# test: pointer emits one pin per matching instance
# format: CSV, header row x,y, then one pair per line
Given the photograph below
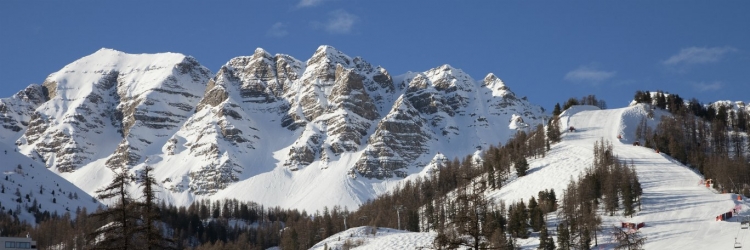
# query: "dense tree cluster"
x,y
586,100
608,183
670,102
451,201
710,138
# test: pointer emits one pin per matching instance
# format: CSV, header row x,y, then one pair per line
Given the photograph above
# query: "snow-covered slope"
x,y
332,130
376,239
22,177
679,212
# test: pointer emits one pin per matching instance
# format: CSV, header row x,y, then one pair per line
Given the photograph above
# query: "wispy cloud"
x,y
309,3
339,22
696,55
277,30
703,86
589,75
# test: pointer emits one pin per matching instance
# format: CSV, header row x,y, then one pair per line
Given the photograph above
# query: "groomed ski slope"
x,y
679,213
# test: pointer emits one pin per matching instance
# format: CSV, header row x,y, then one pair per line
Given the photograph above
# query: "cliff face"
x,y
261,121
114,106
17,111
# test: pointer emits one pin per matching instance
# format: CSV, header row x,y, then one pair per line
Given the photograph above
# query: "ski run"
x,y
678,210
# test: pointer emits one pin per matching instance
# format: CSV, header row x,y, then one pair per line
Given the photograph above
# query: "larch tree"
x,y
149,228
119,232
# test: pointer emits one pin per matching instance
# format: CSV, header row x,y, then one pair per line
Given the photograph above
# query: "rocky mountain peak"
x,y
16,112
110,94
263,120
322,65
497,86
261,53
329,54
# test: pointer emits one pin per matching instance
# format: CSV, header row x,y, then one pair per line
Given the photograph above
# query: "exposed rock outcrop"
x,y
257,115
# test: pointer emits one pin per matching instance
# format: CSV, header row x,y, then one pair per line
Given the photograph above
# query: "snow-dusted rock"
x,y
261,121
112,105
17,110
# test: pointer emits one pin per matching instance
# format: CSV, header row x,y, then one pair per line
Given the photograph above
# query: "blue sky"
x,y
548,51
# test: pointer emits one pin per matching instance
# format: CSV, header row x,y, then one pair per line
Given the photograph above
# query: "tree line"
x,y
712,139
451,202
135,222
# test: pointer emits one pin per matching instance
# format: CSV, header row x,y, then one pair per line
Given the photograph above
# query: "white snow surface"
x,y
29,179
679,212
383,238
324,183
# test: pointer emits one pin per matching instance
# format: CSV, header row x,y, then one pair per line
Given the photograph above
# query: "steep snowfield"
x,y
28,177
678,212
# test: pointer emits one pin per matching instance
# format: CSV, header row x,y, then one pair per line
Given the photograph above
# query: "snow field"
x,y
678,212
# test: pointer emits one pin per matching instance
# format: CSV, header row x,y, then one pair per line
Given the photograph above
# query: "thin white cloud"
x,y
339,22
309,3
696,55
277,30
588,74
702,86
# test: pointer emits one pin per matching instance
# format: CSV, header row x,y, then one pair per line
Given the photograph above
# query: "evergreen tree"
x,y
521,166
545,240
500,241
553,130
570,103
742,121
517,220
556,111
661,101
647,98
638,98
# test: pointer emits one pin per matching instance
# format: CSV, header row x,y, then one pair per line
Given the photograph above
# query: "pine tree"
x,y
553,130
661,101
556,111
545,240
517,220
521,166
500,241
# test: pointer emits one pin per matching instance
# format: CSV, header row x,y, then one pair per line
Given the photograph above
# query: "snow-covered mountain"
x,y
332,130
27,186
678,210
